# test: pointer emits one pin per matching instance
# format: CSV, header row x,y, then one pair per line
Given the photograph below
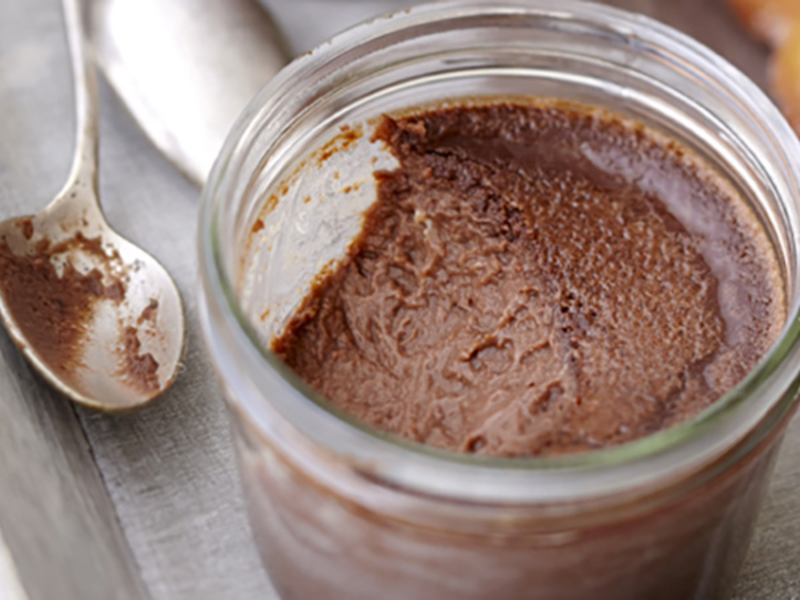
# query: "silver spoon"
x,y
185,69
97,316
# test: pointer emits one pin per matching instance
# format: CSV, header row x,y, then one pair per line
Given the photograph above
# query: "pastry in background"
x,y
785,75
768,20
777,23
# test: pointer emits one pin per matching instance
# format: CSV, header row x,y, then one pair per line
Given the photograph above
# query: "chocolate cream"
x,y
538,279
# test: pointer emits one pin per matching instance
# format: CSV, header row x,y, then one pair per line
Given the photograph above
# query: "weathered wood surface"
x,y
148,504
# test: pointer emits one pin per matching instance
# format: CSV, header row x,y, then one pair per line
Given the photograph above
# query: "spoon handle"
x,y
83,173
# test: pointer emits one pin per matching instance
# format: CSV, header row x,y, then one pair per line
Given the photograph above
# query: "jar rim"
x,y
750,411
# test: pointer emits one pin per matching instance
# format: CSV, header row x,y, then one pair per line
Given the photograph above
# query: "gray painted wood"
x,y
168,470
55,513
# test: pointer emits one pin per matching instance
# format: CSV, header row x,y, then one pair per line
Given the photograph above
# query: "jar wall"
x,y
317,543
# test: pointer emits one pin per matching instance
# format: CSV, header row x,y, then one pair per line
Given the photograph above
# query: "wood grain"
x,y
58,521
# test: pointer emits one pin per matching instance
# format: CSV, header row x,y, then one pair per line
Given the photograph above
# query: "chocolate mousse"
x,y
537,279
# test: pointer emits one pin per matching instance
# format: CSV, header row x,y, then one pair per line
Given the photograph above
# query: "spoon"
x,y
185,69
98,317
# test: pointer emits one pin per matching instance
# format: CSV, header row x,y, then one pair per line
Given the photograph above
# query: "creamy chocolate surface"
x,y
538,279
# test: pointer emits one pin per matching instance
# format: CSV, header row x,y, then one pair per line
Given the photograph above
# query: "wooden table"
x,y
148,504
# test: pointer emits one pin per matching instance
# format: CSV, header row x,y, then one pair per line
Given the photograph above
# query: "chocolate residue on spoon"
x,y
149,313
53,311
139,370
26,225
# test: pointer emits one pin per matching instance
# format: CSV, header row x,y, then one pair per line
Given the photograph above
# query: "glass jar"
x,y
341,511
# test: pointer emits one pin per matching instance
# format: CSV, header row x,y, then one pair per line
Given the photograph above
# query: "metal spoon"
x,y
185,69
98,317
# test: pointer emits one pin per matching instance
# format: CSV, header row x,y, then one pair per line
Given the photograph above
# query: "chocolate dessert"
x,y
538,279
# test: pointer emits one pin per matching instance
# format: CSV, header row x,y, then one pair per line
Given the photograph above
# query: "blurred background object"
x,y
308,23
769,20
785,75
777,23
185,69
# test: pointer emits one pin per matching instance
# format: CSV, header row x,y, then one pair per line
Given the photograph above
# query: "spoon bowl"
x,y
125,349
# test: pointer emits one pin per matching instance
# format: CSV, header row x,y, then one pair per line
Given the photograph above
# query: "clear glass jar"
x,y
341,511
